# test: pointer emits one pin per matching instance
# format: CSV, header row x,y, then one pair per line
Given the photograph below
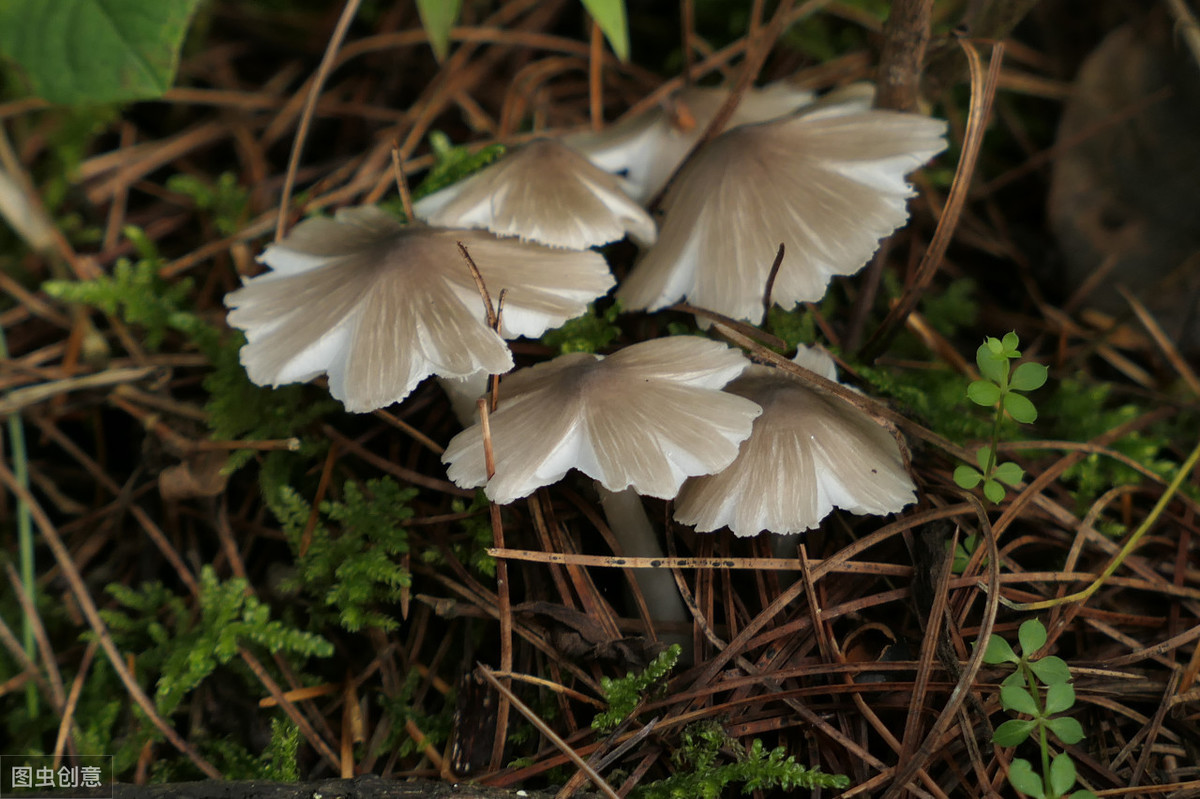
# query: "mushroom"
x,y
544,192
649,147
828,184
380,306
808,453
647,417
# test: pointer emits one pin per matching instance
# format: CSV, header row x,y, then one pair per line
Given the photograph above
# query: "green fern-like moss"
x,y
188,646
355,569
701,776
591,332
624,694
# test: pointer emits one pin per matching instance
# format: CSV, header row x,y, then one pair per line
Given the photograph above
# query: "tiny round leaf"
x,y
1059,697
1016,699
1029,376
1032,636
999,651
1066,729
1013,732
984,392
1021,775
1009,473
1020,408
966,477
1062,773
993,491
1051,670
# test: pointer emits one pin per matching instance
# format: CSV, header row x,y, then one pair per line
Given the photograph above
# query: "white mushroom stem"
x,y
627,519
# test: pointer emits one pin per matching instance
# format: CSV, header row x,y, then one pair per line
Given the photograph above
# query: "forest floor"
x,y
210,579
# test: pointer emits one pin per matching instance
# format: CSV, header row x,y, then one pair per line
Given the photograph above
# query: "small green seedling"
x,y
1000,388
1039,689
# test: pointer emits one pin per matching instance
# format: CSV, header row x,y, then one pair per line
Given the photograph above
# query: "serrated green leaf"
x,y
1066,729
437,18
1020,408
1021,775
966,477
993,491
1013,732
1032,635
984,392
1029,376
999,651
1009,473
610,16
95,51
1059,697
1051,670
1017,699
1062,773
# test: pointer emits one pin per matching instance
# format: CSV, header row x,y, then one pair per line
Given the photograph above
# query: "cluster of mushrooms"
x,y
379,306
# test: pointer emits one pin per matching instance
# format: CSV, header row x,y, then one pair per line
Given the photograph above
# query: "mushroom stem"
x,y
627,519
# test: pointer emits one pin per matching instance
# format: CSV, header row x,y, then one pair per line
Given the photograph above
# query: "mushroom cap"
x,y
649,147
808,453
380,306
544,192
646,417
828,184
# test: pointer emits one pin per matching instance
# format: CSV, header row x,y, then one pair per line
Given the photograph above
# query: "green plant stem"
x,y
1129,547
991,464
1035,692
20,461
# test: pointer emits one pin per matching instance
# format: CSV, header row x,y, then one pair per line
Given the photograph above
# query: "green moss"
x,y
591,332
702,775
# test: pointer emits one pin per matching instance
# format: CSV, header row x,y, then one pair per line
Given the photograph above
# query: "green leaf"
x,y
1013,732
1020,408
1059,697
1084,794
438,17
610,16
1011,342
1028,376
1051,670
1009,473
994,345
1062,773
993,491
992,364
95,51
1032,636
1017,699
984,392
1066,729
999,651
984,458
1021,775
966,477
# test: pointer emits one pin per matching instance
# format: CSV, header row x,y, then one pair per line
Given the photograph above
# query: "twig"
x,y
983,89
774,273
88,606
310,105
545,730
402,184
906,36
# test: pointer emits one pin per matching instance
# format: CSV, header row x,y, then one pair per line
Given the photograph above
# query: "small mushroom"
x,y
544,192
380,306
808,453
649,147
827,184
647,417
